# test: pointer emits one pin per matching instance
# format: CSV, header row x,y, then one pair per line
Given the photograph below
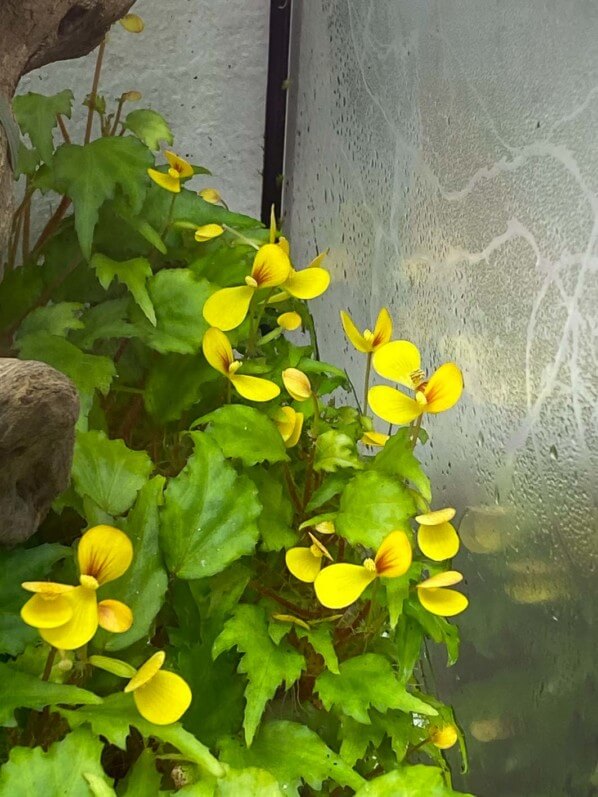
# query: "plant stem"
x,y
269,593
26,223
94,91
243,238
63,130
366,383
49,664
316,424
119,108
169,216
52,224
292,488
415,430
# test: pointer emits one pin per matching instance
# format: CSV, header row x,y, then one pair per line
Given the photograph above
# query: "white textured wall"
x,y
202,64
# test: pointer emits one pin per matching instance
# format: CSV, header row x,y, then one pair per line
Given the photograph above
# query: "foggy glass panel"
x,y
447,154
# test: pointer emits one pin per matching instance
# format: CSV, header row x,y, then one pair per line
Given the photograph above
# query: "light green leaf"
x,y
143,779
144,585
114,666
98,785
251,781
118,713
320,638
36,115
330,487
276,516
397,591
178,297
149,127
356,738
412,781
438,628
397,459
209,514
108,472
21,690
188,372
294,754
372,505
91,174
366,681
104,321
54,319
266,665
245,433
132,273
335,450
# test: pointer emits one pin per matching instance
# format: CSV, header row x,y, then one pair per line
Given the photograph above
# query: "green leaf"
x,y
245,433
397,591
438,628
397,459
91,174
132,273
114,666
140,225
149,127
265,664
118,713
21,690
293,753
105,321
143,779
54,319
372,505
188,372
335,450
178,298
250,781
109,472
320,638
32,564
144,585
412,781
409,637
36,115
276,516
330,487
27,162
209,514
366,681
356,738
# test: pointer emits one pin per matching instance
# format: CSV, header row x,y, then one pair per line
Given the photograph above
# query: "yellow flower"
x,y
178,170
67,617
132,23
368,341
305,563
340,585
297,384
211,195
377,439
228,307
308,283
290,424
161,697
218,352
434,596
289,321
436,536
401,362
325,527
445,737
208,231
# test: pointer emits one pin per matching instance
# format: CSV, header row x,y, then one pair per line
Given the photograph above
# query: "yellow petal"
x,y
273,225
446,579
217,350
81,626
394,555
47,611
340,585
436,517
254,388
132,23
289,321
303,564
393,406
182,166
104,553
325,527
163,699
444,737
227,308
48,588
211,195
443,602
318,549
172,184
318,259
114,616
444,388
146,671
308,283
271,266
382,329
284,245
398,361
284,418
354,335
208,231
438,542
297,384
293,438
378,439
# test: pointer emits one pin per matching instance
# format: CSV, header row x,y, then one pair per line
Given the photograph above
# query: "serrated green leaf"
x,y
266,665
209,514
98,785
132,273
140,225
293,753
245,433
21,690
397,459
108,472
364,682
143,779
332,485
91,174
320,638
36,115
250,781
412,781
27,162
276,516
335,450
54,319
178,298
118,713
356,738
19,290
104,321
438,628
372,505
149,126
188,372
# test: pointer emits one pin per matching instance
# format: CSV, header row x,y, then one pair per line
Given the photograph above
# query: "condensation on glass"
x,y
447,153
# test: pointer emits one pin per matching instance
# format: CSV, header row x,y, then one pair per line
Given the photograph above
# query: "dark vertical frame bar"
x,y
276,107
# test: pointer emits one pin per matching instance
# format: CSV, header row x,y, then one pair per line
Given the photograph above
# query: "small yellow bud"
x,y
207,232
211,195
131,96
132,23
